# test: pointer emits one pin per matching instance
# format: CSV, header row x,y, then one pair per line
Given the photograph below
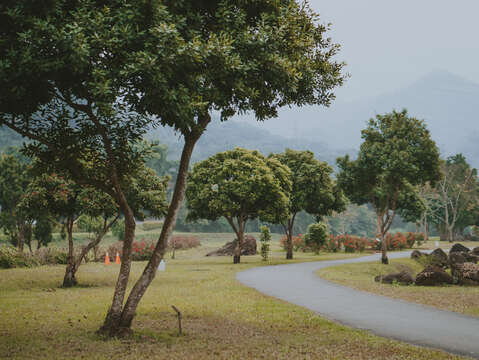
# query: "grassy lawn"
x,y
462,299
222,318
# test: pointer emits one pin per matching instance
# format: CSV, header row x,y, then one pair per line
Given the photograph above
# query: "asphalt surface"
x,y
413,323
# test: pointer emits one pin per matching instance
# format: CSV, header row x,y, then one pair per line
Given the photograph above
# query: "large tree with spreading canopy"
x,y
313,190
86,79
238,185
396,156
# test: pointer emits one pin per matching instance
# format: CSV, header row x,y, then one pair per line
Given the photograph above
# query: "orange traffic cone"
x,y
107,259
117,259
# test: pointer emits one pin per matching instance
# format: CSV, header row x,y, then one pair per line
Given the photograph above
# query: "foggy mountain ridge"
x,y
446,102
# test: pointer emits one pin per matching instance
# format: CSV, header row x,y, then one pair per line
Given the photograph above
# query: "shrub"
x,y
298,243
152,225
118,229
333,244
51,256
265,238
410,239
11,258
353,243
142,250
316,236
420,237
183,242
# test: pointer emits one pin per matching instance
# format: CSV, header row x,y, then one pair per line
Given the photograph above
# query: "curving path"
x,y
397,319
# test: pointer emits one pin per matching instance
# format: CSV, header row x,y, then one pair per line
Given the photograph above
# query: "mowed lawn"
x,y
222,318
462,299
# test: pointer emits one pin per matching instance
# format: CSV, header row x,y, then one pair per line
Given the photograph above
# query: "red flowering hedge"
x,y
399,241
298,243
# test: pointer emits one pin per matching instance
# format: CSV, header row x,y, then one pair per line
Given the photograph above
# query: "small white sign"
x,y
437,244
162,266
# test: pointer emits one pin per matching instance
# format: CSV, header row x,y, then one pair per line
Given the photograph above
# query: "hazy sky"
x,y
389,44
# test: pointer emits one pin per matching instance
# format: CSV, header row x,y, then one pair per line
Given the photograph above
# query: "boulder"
x,y
475,251
459,248
416,254
248,247
456,258
404,278
439,258
433,275
467,273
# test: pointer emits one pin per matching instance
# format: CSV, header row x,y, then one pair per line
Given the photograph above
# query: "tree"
x,y
457,195
316,236
396,155
265,239
313,190
62,197
14,180
88,79
238,185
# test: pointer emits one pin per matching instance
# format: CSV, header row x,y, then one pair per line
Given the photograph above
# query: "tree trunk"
x,y
113,326
239,243
118,320
289,238
69,278
384,248
289,246
21,238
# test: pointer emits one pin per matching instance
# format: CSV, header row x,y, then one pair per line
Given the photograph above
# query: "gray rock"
x,y
433,275
458,248
403,277
248,247
439,258
416,254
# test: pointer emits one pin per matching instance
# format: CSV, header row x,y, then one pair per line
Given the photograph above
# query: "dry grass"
x,y
222,318
462,299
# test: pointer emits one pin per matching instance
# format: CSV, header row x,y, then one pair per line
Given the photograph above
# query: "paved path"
x,y
397,319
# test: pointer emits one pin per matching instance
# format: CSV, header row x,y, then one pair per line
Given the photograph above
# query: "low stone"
x,y
475,251
433,275
403,278
461,258
248,247
467,273
458,248
416,254
439,258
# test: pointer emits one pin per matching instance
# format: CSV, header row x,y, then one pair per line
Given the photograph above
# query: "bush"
x,y
353,243
11,258
420,237
298,243
183,242
152,225
265,238
51,256
118,229
316,236
411,239
333,244
142,250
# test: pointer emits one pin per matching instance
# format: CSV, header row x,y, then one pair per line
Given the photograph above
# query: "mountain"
x,y
221,136
446,102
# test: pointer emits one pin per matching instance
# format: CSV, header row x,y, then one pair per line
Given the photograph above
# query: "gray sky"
x,y
390,44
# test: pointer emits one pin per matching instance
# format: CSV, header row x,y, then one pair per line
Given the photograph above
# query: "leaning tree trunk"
x,y
69,278
113,322
118,321
384,248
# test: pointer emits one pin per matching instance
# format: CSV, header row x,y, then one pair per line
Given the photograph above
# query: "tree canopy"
x,y
238,185
396,155
313,189
88,78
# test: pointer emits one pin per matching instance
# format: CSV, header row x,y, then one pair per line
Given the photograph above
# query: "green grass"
x,y
360,276
222,318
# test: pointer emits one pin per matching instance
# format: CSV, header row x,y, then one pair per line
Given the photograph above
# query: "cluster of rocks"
x,y
248,247
461,261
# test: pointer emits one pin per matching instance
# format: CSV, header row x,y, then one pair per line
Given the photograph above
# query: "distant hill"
x,y
447,103
221,136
